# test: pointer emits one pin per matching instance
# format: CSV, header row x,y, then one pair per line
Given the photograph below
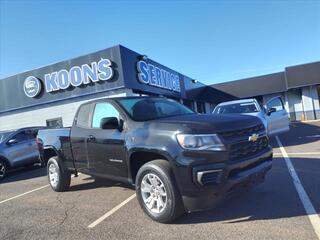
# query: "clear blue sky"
x,y
212,41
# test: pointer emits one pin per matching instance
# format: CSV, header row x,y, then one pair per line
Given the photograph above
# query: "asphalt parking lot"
x,y
29,209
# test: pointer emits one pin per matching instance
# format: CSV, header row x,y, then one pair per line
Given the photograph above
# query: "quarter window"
x,y
103,110
84,116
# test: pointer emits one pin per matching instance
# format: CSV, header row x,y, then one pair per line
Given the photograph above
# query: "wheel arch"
x,y
6,160
139,157
49,152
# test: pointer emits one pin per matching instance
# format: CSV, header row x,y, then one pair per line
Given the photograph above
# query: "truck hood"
x,y
211,123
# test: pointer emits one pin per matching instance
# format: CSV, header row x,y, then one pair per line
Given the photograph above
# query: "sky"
x,y
211,41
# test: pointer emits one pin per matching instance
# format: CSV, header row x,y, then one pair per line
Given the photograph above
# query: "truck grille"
x,y
239,145
248,149
233,135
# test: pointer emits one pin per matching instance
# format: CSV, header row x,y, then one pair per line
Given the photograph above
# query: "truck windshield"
x,y
237,108
3,136
143,109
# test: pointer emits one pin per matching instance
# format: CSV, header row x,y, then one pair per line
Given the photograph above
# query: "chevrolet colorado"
x,y
178,160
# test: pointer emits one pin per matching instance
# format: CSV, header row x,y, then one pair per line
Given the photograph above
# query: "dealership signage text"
x,y
76,76
158,77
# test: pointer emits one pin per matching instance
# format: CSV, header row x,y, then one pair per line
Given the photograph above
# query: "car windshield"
x,y
237,108
3,136
143,109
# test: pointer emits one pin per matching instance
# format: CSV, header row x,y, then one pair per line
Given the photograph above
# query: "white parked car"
x,y
272,114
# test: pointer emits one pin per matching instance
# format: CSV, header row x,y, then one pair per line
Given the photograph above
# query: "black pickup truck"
x,y
178,160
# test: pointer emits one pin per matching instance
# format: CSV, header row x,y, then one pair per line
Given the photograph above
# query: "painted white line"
x,y
309,208
298,153
23,194
112,211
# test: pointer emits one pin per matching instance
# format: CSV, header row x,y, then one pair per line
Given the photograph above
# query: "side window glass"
x,y
103,110
21,136
275,103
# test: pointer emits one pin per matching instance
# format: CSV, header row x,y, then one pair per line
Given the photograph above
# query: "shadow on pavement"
x,y
98,183
300,133
25,173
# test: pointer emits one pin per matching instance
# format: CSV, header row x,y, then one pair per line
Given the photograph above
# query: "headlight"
x,y
200,142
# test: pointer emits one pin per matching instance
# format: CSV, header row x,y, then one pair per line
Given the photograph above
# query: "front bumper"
x,y
234,176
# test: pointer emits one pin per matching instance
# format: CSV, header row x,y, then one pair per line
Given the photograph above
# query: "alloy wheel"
x,y
53,175
153,193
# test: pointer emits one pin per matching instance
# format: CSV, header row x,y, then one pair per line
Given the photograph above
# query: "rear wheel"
x,y
59,178
3,169
157,192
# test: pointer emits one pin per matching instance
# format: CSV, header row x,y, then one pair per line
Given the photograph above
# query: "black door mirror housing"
x,y
109,123
12,141
271,110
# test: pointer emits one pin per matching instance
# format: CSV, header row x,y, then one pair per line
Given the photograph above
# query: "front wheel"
x,y
157,192
59,178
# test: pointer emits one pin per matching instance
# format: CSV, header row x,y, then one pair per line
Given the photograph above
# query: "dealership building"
x,y
50,95
298,86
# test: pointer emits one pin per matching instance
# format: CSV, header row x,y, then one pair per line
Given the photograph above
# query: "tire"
x,y
59,178
3,169
163,191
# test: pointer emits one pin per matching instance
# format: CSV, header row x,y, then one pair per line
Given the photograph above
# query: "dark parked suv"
x,y
18,148
178,160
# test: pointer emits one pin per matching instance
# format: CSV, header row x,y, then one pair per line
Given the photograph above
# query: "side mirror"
x,y
109,123
12,141
271,110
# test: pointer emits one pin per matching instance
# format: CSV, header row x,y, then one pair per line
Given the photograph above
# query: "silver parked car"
x,y
272,114
18,148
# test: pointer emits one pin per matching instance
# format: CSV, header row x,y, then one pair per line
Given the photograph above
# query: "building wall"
x,y
300,103
316,101
294,97
38,116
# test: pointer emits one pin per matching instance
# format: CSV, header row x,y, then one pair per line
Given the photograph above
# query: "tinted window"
x,y
143,109
275,103
237,108
84,116
103,110
22,136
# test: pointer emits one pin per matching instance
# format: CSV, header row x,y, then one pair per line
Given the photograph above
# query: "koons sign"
x,y
158,77
76,76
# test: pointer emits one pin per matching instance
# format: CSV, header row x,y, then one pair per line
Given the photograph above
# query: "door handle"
x,y
91,138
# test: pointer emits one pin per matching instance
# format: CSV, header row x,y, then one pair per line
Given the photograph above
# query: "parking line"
x,y
23,194
112,211
306,202
298,153
31,191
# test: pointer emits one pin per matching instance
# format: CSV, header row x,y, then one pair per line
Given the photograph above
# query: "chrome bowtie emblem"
x,y
254,137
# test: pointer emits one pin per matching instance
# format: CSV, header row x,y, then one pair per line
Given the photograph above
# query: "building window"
x,y
54,123
201,108
188,103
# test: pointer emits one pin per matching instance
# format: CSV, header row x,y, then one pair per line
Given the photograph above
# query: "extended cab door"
x,y
277,117
106,147
80,131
